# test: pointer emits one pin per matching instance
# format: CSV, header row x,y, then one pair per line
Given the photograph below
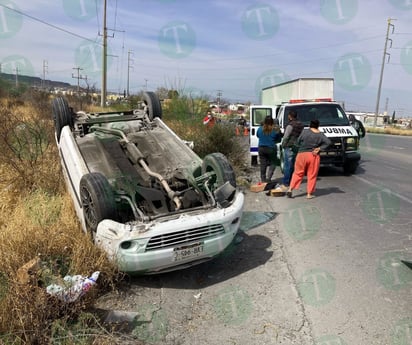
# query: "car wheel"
x,y
350,167
220,166
97,199
154,108
62,115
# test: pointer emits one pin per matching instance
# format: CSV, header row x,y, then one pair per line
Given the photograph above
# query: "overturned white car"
x,y
148,200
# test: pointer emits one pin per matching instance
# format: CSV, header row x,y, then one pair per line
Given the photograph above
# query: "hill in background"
x,y
34,81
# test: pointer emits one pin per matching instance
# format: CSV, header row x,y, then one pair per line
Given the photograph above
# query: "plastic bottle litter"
x,y
73,287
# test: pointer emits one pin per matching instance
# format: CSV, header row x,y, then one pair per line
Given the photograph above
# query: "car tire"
x,y
350,167
62,116
219,164
154,108
97,200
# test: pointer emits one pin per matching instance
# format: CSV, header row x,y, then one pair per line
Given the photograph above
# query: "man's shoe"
x,y
289,194
284,188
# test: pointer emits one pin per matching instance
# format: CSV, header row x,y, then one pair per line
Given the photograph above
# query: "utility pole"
x,y
78,77
43,81
104,59
145,85
375,120
219,94
129,66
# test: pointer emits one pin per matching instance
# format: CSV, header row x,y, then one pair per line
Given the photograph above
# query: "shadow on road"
x,y
246,252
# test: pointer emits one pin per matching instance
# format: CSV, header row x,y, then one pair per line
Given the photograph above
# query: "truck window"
x,y
259,114
327,114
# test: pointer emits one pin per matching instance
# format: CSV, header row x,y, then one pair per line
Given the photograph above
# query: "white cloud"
x,y
223,57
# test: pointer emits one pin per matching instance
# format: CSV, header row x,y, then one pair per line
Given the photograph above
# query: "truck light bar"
x,y
311,100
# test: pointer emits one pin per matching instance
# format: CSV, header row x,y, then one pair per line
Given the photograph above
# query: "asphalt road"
x,y
345,248
325,271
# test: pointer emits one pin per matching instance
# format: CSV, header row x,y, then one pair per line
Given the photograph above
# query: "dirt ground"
x,y
246,296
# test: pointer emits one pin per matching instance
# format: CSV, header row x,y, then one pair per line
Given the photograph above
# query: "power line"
x,y
46,23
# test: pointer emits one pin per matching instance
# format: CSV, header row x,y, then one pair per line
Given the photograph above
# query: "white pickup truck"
x,y
333,122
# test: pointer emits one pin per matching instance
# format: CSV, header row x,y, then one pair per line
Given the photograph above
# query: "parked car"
x,y
145,196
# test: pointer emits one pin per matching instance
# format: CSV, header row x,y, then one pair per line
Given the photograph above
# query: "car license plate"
x,y
186,252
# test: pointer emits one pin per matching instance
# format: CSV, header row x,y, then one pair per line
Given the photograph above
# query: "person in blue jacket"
x,y
268,134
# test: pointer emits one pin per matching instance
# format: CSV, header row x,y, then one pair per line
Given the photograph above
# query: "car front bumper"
x,y
189,239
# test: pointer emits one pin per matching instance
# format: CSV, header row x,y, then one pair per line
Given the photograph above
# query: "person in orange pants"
x,y
310,142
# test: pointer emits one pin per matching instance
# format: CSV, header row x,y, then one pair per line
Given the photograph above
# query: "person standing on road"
x,y
209,120
292,132
268,134
310,142
358,125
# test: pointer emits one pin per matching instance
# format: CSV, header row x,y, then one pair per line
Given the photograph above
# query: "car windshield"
x,y
327,114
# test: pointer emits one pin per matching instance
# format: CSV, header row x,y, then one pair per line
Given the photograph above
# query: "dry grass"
x,y
37,220
389,130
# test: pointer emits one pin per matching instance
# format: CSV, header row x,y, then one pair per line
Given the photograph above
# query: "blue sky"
x,y
203,47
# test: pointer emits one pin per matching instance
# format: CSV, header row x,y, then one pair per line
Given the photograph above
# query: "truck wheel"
x,y
154,108
350,167
97,199
62,115
254,161
220,166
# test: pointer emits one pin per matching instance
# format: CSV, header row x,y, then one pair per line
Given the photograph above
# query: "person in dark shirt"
x,y
292,132
310,142
358,125
268,134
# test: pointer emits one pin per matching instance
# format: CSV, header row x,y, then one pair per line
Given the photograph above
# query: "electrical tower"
x,y
129,66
